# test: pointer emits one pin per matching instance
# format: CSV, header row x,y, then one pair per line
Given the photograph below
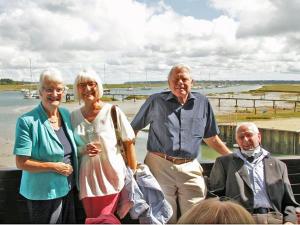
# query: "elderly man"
x,y
179,121
256,180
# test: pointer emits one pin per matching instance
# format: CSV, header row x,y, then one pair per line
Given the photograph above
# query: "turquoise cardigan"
x,y
36,138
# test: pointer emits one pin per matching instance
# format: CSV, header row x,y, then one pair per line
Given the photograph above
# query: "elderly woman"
x,y
102,168
46,152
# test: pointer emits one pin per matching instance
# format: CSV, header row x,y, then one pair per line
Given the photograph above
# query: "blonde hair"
x,y
214,211
50,75
87,75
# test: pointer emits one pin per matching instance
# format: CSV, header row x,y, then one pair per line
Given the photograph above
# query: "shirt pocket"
x,y
198,127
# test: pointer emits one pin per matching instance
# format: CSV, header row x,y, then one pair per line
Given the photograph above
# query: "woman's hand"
x,y
34,166
63,168
93,149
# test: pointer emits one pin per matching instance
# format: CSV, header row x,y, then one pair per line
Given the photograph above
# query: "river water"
x,y
13,105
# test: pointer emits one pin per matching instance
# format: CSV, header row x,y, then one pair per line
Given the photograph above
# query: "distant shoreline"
x,y
130,108
140,84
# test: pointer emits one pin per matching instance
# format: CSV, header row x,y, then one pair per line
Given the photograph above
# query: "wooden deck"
x,y
13,206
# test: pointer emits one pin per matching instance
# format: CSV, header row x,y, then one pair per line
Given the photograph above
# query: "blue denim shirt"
x,y
131,198
143,198
160,210
176,130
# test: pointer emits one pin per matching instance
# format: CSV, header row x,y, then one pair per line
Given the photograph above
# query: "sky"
x,y
135,40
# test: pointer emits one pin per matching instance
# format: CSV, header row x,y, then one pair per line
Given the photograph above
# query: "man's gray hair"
x,y
251,126
179,66
50,75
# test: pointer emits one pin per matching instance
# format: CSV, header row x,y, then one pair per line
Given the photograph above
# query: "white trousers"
x,y
182,183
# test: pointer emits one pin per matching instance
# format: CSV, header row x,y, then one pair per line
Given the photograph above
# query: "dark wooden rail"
x,y
13,206
254,100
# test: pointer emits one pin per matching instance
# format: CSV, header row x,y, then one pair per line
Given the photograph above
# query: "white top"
x,y
103,174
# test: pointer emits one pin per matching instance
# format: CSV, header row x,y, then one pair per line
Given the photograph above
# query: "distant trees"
x,y
7,81
10,81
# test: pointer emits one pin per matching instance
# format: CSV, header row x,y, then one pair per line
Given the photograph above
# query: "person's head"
x,y
214,211
247,136
88,86
180,80
51,88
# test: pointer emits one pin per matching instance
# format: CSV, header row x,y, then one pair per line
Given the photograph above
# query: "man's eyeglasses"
x,y
90,84
58,91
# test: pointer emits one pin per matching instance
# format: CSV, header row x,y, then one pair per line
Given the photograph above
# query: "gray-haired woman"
x,y
46,152
102,169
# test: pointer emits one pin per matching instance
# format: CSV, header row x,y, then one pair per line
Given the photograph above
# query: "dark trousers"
x,y
54,211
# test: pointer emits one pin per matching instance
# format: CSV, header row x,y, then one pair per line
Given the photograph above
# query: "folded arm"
x,y
35,166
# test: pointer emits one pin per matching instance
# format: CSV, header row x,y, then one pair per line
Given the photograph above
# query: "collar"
x,y
238,154
44,115
171,96
43,112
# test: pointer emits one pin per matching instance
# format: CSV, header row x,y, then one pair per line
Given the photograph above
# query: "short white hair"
x,y
250,125
87,75
179,66
50,75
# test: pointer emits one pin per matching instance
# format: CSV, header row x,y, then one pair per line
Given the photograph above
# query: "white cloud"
x,y
250,37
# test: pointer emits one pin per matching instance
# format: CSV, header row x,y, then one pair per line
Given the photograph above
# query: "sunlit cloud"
x,y
122,40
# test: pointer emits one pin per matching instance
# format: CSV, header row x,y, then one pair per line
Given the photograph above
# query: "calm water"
x,y
205,91
12,105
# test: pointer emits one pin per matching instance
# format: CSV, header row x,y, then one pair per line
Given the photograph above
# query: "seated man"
x,y
256,180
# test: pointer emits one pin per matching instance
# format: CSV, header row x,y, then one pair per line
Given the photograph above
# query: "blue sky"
x,y
220,39
200,9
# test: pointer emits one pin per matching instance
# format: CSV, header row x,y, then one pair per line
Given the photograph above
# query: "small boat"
x,y
106,91
28,93
146,88
196,87
31,95
147,82
23,90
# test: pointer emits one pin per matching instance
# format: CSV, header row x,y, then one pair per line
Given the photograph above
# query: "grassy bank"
x,y
288,88
250,116
17,87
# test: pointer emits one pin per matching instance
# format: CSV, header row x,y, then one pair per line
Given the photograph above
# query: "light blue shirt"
x,y
257,178
36,138
176,130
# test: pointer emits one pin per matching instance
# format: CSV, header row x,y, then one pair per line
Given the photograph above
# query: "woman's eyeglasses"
x,y
58,91
90,84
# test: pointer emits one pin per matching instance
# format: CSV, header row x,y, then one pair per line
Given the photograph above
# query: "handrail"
x,y
13,206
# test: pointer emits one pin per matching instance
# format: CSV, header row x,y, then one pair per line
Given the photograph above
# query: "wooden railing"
x,y
274,140
13,206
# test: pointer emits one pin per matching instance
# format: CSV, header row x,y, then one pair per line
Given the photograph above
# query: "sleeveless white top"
x,y
103,174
